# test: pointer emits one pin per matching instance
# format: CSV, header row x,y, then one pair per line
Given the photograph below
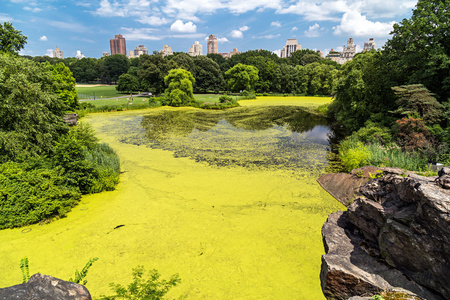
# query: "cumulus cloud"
x,y
237,34
275,24
294,28
244,28
179,26
355,24
43,38
222,40
153,20
313,31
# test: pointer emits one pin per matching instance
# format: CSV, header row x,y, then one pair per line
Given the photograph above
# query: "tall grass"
x,y
354,154
108,167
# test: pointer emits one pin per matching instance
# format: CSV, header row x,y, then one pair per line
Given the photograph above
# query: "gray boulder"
x,y
44,287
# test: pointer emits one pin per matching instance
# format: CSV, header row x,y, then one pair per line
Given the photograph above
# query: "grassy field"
x,y
87,92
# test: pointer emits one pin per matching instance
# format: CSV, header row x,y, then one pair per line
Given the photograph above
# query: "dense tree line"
x,y
305,72
399,97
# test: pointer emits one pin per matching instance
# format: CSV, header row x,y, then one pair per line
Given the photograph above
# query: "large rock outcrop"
x,y
44,287
396,236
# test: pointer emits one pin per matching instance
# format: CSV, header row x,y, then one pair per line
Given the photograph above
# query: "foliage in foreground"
x,y
143,288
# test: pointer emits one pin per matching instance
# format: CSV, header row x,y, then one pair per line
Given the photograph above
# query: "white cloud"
x,y
49,52
43,38
5,18
84,4
222,40
275,24
179,26
152,20
135,34
237,34
270,36
294,29
277,52
355,24
244,28
313,31
32,9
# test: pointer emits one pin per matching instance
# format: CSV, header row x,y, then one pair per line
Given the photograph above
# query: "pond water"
x,y
227,199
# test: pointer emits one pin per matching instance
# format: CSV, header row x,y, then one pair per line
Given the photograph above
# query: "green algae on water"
x,y
226,199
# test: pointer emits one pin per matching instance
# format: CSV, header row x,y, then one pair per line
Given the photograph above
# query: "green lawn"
x,y
120,101
87,92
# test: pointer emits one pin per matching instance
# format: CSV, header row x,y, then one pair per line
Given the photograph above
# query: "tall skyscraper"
x,y
118,45
212,44
138,51
196,49
291,46
58,53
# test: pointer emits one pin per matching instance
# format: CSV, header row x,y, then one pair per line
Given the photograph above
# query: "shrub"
x,y
29,195
353,155
224,98
140,288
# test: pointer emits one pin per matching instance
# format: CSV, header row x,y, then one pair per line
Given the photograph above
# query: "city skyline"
x,y
87,26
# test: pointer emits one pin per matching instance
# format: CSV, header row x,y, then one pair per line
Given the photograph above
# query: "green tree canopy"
x,y
31,113
113,66
179,89
207,74
11,40
242,77
154,69
419,50
65,84
127,83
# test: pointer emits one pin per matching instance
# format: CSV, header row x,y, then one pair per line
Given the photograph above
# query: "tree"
x,y
179,89
113,66
242,77
419,50
65,84
416,100
127,83
11,40
363,92
31,114
303,57
154,69
207,74
184,61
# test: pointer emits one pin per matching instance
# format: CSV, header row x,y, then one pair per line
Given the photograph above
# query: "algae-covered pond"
x,y
227,199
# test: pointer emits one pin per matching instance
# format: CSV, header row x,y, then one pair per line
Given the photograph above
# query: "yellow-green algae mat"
x,y
227,199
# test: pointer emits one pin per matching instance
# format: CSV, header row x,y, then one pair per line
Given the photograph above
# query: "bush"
x,y
353,155
246,95
224,98
140,288
29,195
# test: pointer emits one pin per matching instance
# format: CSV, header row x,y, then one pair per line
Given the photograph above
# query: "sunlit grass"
x,y
88,92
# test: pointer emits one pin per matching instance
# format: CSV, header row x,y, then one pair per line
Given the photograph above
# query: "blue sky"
x,y
244,24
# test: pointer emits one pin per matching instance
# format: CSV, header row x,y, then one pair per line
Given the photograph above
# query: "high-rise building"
x,y
196,49
58,53
138,51
235,51
291,46
212,44
105,54
369,45
118,45
166,51
349,51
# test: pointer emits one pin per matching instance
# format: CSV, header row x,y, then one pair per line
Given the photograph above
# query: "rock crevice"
x,y
395,236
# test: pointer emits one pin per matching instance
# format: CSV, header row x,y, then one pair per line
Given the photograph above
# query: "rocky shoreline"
x,y
395,235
